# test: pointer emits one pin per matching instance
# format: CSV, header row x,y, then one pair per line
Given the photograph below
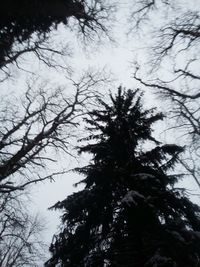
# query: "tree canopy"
x,y
129,213
25,25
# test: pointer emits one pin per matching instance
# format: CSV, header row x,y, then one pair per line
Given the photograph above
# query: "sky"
x,y
113,58
116,58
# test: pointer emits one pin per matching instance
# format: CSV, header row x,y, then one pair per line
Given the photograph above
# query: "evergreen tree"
x,y
129,213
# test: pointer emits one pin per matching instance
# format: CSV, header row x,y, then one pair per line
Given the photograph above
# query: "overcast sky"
x,y
116,58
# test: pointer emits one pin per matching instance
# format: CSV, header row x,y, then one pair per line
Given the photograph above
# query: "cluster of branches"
x,y
175,48
26,26
45,121
42,121
20,234
31,129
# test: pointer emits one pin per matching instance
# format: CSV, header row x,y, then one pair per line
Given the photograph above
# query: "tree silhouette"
x,y
129,213
40,121
26,25
21,243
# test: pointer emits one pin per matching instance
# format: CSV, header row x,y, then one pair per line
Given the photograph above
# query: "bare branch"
x,y
46,123
28,26
164,89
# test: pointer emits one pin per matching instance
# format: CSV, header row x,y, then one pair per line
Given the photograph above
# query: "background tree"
x,y
33,129
45,120
129,213
41,121
26,26
20,233
171,68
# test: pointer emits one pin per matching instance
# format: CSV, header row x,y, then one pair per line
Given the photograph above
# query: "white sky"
x,y
114,57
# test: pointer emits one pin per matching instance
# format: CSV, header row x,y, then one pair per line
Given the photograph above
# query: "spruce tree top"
x,y
129,213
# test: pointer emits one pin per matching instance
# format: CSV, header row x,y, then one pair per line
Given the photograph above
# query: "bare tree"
x,y
44,121
32,129
20,233
39,122
172,69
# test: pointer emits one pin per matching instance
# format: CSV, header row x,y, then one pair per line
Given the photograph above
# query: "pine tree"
x,y
129,214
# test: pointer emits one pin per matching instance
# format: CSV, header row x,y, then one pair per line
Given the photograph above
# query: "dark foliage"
x,y
129,213
20,19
